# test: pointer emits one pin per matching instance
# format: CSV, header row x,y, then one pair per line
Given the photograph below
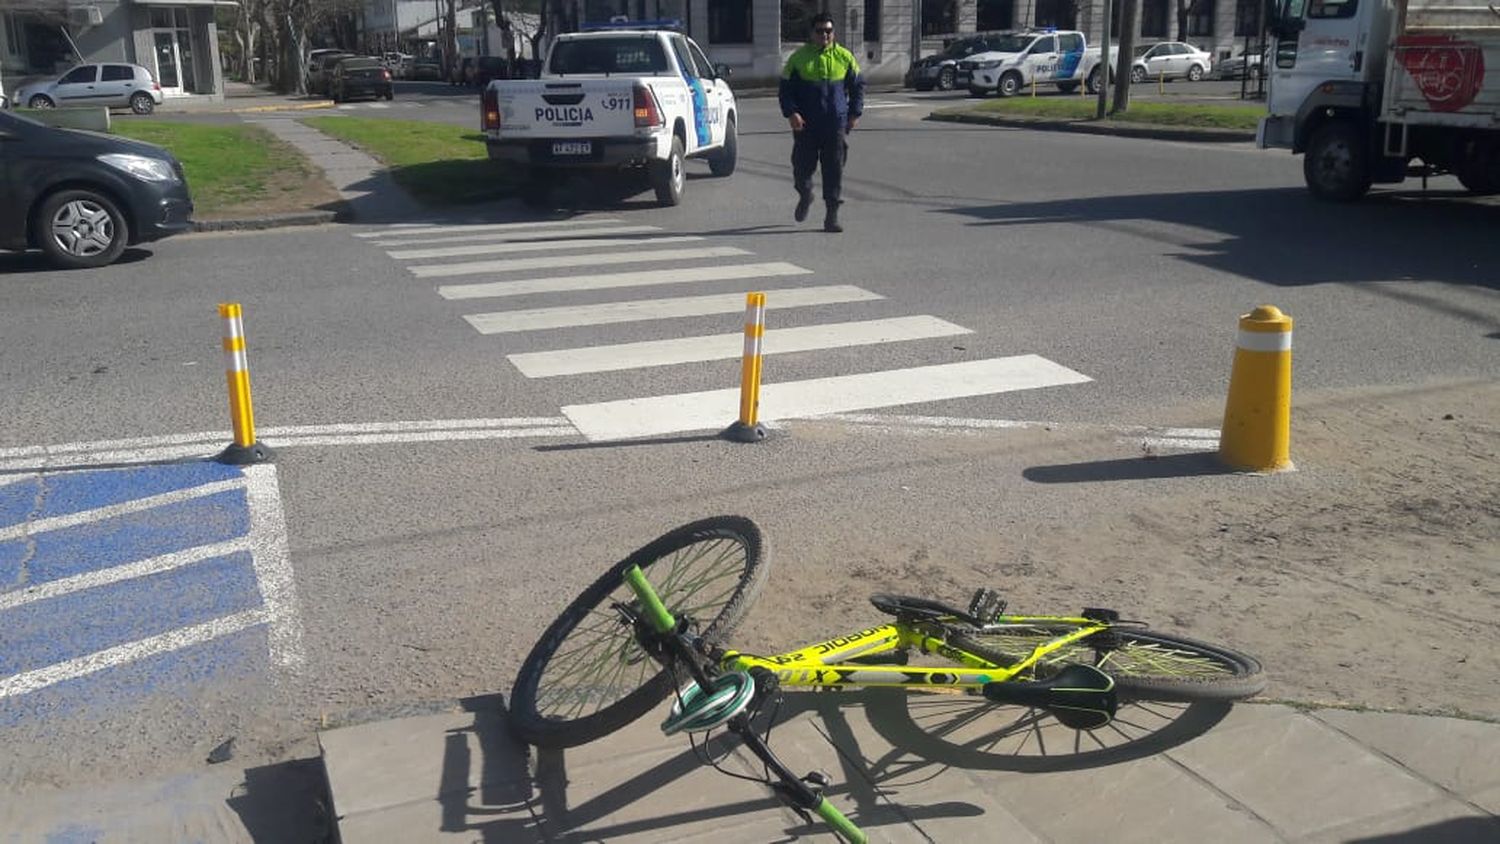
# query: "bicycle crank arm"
x,y
1080,696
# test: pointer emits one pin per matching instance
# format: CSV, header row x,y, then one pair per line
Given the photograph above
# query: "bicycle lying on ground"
x,y
624,644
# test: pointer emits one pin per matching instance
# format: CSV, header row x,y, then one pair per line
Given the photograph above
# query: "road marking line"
x,y
536,246
124,508
273,567
172,640
502,322
551,261
518,236
115,574
714,409
606,281
405,229
726,346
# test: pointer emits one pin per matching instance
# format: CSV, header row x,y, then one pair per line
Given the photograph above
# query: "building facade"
x,y
177,41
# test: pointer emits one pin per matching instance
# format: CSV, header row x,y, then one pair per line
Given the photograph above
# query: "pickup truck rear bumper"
x,y
605,152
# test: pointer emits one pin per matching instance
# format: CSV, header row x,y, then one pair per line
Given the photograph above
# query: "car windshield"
x,y
625,54
1010,43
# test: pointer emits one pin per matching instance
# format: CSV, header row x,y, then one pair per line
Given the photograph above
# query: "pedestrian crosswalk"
x,y
573,262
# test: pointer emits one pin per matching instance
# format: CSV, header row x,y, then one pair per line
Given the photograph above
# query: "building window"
x,y
1062,14
1201,18
729,22
872,21
796,20
1154,14
939,17
993,15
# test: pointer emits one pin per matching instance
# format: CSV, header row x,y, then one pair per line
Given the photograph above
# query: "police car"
x,y
1045,56
636,97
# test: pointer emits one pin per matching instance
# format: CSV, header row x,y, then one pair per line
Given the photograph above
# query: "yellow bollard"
x,y
1256,435
1161,82
244,449
747,428
1033,86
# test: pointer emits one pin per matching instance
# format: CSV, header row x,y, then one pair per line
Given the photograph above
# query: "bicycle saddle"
x,y
912,607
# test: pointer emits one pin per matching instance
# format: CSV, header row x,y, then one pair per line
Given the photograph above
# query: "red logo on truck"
x,y
1447,71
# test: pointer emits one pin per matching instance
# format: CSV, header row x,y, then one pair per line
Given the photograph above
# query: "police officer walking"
x,y
822,97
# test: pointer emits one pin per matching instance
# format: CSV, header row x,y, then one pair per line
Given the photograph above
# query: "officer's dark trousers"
x,y
812,147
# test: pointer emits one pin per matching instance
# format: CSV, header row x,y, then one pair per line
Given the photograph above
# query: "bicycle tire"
x,y
1206,672
540,711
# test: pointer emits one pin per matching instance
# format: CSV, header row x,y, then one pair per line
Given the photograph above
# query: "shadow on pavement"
x,y
287,801
1129,469
1454,831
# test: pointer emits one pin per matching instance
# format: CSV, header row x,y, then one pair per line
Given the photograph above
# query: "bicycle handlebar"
x,y
840,824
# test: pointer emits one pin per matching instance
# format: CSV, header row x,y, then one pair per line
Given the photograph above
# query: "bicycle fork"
x,y
802,794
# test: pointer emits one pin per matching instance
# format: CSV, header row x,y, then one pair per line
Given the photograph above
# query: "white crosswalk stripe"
x,y
607,281
552,261
501,322
536,246
408,229
516,237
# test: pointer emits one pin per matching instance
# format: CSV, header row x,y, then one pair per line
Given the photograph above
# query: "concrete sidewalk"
x,y
935,768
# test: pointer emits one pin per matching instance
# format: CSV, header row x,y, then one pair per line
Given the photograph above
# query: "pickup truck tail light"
x,y
489,110
647,112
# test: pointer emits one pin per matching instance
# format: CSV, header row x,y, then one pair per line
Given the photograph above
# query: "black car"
x,y
82,197
360,77
487,68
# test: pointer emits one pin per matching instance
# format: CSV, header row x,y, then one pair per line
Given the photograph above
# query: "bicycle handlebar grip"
x,y
841,825
656,612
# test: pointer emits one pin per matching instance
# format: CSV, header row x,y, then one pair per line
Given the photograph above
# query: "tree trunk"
x,y
1128,15
1184,7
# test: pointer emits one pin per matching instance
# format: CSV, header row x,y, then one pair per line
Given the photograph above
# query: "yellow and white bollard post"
x,y
244,449
747,429
1256,435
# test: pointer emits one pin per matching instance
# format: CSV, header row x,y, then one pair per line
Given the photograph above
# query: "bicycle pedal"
x,y
986,606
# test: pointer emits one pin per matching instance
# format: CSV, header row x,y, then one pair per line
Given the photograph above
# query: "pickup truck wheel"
x,y
722,163
536,190
946,79
1335,164
669,177
1092,83
1010,85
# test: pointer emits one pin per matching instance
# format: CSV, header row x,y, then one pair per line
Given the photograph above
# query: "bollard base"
x,y
240,455
741,433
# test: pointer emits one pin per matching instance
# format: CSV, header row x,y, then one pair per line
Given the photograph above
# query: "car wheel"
x,y
40,101
1195,73
722,162
1092,83
1334,164
141,103
946,78
669,177
1137,75
1010,85
81,228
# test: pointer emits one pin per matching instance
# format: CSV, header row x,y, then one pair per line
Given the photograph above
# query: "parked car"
x,y
1236,66
310,61
1170,60
940,70
427,69
487,68
320,67
114,85
82,197
360,77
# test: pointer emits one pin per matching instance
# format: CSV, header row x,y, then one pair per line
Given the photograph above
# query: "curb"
x,y
270,221
249,109
1091,127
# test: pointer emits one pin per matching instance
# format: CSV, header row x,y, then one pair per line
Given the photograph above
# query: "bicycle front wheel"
x,y
587,676
1145,665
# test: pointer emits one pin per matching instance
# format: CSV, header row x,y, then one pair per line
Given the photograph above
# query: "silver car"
x,y
1170,60
117,85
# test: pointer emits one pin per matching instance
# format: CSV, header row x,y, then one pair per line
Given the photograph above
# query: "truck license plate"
x,y
573,148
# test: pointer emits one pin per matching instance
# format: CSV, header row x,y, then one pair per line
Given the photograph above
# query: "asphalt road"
x,y
422,570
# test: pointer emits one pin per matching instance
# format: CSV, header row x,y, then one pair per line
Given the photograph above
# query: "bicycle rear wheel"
x,y
1146,665
587,676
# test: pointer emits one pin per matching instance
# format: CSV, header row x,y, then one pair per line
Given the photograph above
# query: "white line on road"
x,y
537,246
273,567
501,322
605,281
726,346
173,640
407,229
713,409
123,508
517,236
551,261
115,574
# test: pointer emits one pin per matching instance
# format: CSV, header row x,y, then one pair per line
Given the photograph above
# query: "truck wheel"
x,y
669,177
1092,83
1010,85
722,163
1479,171
1336,165
946,79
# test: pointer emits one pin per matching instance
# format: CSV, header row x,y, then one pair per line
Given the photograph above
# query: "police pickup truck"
x,y
637,98
1019,60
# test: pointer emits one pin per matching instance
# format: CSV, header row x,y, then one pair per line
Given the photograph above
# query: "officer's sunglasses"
x,y
823,30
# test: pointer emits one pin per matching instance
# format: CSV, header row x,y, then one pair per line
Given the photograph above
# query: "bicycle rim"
x,y
1146,665
587,676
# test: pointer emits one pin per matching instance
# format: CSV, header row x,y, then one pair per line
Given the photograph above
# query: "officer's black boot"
x,y
831,218
804,202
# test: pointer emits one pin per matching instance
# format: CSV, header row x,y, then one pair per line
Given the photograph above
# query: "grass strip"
x,y
437,163
1195,115
228,166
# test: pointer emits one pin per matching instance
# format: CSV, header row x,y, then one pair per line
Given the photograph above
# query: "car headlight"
x,y
989,65
141,167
